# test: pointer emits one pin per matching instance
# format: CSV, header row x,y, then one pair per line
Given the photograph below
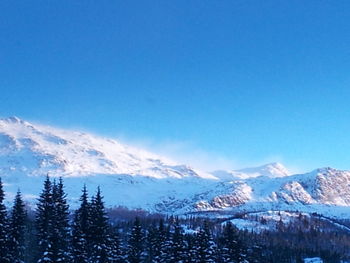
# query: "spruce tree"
x,y
115,254
205,245
60,218
17,230
4,255
44,223
135,244
81,228
158,243
30,240
232,249
160,249
255,255
152,243
191,248
177,251
166,245
99,230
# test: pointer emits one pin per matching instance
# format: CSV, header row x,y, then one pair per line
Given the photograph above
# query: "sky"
x,y
214,83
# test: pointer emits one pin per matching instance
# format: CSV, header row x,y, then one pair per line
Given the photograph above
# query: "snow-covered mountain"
x,y
271,170
135,178
324,190
129,176
38,150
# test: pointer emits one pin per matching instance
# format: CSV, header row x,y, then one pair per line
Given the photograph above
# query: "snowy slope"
x,y
271,170
324,190
40,149
135,178
128,176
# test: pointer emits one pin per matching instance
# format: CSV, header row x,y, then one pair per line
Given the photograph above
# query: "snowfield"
x,y
313,260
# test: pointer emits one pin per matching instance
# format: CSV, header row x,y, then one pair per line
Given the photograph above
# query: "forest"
x,y
52,232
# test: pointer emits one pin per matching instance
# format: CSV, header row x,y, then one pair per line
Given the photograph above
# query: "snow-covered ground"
x,y
270,220
313,260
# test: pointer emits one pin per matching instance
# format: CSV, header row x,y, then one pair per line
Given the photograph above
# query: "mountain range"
x,y
135,178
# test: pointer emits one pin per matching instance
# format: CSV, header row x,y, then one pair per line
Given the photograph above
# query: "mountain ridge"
x,y
271,170
135,178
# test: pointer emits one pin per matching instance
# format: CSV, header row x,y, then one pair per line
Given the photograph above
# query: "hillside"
x,y
135,178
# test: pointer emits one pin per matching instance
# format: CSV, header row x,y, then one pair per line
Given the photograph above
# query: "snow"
x,y
313,260
74,154
267,220
135,178
271,170
250,225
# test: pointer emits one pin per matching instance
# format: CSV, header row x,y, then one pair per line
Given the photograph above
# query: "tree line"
x,y
53,233
89,236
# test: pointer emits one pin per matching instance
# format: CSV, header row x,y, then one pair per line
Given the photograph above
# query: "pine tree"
x,y
232,249
152,243
99,230
135,245
4,256
30,241
81,228
115,254
205,245
159,243
191,249
61,231
178,248
166,245
157,240
44,223
255,255
16,231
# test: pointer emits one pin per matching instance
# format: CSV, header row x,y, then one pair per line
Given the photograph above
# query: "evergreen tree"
x,y
165,243
255,255
135,245
4,256
30,239
115,254
191,249
44,223
178,248
158,243
16,231
232,249
61,231
152,243
99,230
205,245
81,228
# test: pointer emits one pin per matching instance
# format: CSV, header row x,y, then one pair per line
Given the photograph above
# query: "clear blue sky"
x,y
246,80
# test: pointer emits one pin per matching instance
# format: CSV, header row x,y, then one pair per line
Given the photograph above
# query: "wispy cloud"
x,y
184,152
187,152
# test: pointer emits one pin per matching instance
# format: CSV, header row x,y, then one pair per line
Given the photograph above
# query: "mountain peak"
x,y
271,170
274,169
135,178
68,153
272,165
